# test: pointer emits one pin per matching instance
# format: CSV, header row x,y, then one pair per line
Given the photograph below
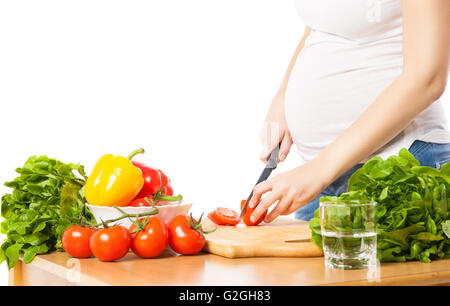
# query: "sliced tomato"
x,y
211,217
226,216
248,212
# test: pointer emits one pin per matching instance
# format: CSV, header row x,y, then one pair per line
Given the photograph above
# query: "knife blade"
x,y
271,164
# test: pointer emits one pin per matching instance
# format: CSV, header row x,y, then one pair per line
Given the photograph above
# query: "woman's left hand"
x,y
291,189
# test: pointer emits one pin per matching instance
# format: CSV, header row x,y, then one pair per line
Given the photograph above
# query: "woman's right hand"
x,y
275,131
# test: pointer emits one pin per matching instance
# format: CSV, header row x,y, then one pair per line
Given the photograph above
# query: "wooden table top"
x,y
210,270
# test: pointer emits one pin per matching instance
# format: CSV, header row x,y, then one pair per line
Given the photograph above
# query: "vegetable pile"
x,y
148,237
47,197
47,211
119,181
413,205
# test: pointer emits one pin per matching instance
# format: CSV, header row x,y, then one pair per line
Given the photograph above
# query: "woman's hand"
x,y
290,189
275,131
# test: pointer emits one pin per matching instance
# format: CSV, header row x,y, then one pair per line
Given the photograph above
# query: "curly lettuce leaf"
x,y
412,209
46,198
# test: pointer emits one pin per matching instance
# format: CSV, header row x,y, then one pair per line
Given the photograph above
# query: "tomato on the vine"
x,y
150,237
110,243
139,202
186,235
75,241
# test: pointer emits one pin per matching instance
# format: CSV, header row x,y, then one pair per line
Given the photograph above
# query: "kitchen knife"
x,y
272,162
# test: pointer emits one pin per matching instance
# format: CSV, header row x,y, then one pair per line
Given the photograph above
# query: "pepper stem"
x,y
135,152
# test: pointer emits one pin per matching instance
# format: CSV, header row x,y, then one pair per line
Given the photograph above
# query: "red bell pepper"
x,y
154,180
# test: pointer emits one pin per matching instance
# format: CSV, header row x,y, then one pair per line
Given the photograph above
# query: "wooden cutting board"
x,y
284,237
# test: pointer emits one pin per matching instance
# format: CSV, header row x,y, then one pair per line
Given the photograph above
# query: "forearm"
x,y
282,89
386,117
275,129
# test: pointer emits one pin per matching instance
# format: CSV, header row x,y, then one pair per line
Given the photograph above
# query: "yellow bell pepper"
x,y
114,181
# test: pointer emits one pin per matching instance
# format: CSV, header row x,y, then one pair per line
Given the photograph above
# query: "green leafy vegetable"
x,y
47,197
413,204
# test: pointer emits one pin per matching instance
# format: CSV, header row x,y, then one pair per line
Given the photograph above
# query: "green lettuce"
x,y
46,198
412,212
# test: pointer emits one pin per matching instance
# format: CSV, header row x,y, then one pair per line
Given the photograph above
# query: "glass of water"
x,y
349,234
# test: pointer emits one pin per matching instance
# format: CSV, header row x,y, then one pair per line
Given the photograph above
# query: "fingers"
x,y
280,209
285,146
264,154
264,205
258,191
267,150
292,208
271,135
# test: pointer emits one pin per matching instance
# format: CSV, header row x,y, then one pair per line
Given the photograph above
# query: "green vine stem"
x,y
125,215
198,225
158,196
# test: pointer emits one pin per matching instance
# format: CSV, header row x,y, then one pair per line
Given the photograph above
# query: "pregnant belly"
x,y
329,88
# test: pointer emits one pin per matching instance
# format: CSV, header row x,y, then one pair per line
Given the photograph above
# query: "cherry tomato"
x,y
186,235
111,243
249,211
226,216
152,240
139,202
75,241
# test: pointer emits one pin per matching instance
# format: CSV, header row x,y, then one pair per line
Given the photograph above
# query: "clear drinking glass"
x,y
349,234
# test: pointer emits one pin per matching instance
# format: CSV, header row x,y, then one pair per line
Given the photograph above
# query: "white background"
x,y
190,81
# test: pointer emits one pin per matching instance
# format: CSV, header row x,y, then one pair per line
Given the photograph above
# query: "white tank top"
x,y
353,53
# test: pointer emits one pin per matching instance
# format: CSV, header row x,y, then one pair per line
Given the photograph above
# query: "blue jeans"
x,y
427,153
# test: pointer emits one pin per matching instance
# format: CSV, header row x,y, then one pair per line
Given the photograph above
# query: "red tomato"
x,y
111,243
75,241
249,211
226,216
151,241
211,217
139,202
185,235
152,180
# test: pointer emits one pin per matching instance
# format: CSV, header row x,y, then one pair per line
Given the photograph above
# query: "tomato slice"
x,y
211,217
249,211
226,216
